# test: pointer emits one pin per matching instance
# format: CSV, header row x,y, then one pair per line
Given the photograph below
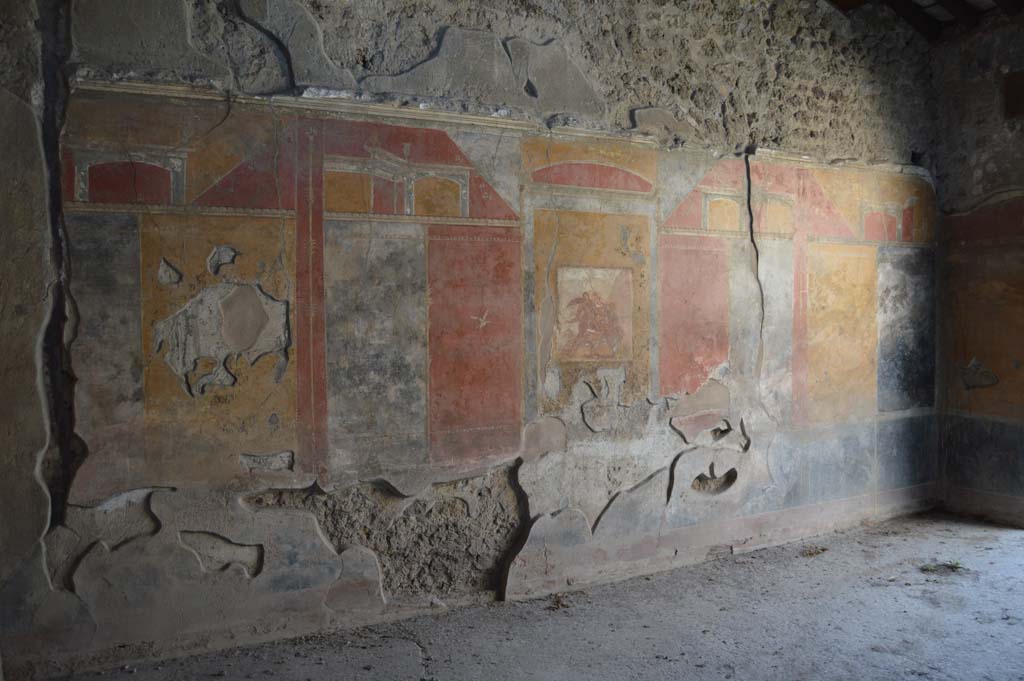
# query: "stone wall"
x,y
977,144
795,75
423,324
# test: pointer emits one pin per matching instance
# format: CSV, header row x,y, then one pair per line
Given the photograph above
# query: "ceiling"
x,y
931,17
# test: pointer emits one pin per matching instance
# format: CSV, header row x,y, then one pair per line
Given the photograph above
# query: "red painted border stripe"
x,y
800,327
303,401
318,323
311,399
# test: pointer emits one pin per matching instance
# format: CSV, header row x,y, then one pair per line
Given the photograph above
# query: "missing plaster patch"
x,y
221,322
116,522
242,318
279,461
168,274
218,554
220,256
453,538
709,483
977,375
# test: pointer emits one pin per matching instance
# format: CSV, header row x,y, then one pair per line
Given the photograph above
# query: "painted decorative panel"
x,y
842,332
592,298
694,294
475,341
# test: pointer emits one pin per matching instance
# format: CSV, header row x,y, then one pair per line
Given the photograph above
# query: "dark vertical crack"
x,y
525,522
67,452
747,153
281,51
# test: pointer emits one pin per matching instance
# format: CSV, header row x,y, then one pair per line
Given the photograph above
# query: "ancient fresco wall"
x,y
338,363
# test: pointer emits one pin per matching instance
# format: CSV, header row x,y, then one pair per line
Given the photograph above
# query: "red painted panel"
x,y
908,223
1003,220
485,202
727,174
775,178
129,182
413,145
694,289
253,183
593,175
879,226
687,214
815,212
265,180
476,341
388,197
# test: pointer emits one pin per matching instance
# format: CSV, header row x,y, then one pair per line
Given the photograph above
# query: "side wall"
x,y
982,302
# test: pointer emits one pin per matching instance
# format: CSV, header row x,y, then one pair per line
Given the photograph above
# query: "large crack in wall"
x,y
66,452
453,539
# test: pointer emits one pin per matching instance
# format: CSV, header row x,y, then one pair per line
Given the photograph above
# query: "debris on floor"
x,y
946,568
811,551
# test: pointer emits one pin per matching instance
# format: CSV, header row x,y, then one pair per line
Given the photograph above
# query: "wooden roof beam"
x,y
847,5
912,13
1010,7
963,11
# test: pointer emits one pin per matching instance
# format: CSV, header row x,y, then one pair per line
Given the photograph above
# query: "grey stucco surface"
x,y
977,146
845,605
983,454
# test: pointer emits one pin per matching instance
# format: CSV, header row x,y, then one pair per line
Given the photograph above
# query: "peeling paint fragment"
x,y
605,411
358,588
977,375
547,434
218,553
704,409
168,275
453,537
721,436
220,256
242,318
709,483
221,322
279,461
115,522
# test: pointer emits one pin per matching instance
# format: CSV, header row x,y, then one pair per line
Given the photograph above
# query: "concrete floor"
x,y
861,609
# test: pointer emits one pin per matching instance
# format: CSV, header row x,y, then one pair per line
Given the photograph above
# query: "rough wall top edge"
x,y
396,111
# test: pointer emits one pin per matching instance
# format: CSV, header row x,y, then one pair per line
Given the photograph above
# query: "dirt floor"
x,y
924,597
